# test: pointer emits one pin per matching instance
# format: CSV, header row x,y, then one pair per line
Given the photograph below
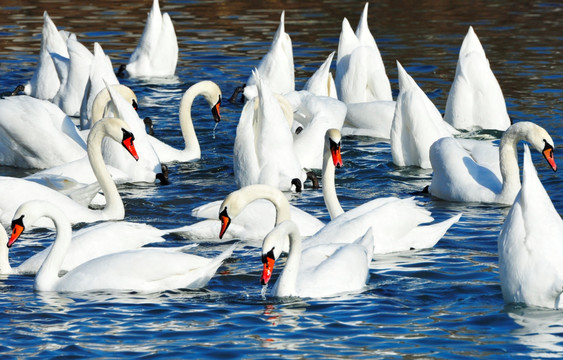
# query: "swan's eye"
x,y
268,255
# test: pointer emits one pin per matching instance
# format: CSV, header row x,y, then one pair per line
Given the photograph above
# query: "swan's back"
x,y
475,99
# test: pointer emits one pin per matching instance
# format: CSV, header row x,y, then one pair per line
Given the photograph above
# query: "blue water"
x,y
444,302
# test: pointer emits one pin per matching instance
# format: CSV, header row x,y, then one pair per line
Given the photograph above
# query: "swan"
x,y
276,67
320,271
87,243
417,124
211,92
360,73
530,246
75,78
321,83
45,82
142,270
457,177
475,99
16,191
101,73
396,223
148,168
263,149
317,114
156,54
73,175
252,224
235,203
35,133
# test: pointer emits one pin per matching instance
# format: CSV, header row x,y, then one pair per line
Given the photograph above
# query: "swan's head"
x,y
118,130
538,137
28,213
333,138
273,245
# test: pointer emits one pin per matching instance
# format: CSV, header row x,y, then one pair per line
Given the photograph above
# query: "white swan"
x,y
156,54
263,150
16,191
101,74
457,177
320,271
73,177
317,114
37,134
236,202
321,83
143,270
360,73
211,92
148,168
252,224
73,82
530,246
396,223
45,82
417,124
87,243
475,99
276,67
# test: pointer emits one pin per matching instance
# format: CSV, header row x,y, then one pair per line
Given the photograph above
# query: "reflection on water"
x,y
439,303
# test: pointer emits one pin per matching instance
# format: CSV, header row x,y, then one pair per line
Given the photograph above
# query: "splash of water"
x,y
215,127
263,291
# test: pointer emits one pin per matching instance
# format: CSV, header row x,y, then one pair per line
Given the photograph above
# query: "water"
x,y
440,303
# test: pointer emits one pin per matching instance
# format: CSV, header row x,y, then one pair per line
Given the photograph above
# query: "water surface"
x,y
444,302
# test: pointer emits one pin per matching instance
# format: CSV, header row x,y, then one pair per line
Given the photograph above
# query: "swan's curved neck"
x,y
48,274
286,284
186,122
114,208
508,158
329,187
273,195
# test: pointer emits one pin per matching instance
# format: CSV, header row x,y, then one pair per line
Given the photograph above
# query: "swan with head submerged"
x,y
74,76
475,99
45,82
319,271
276,67
212,94
16,191
457,177
37,134
87,243
263,150
417,124
360,72
156,54
530,246
143,270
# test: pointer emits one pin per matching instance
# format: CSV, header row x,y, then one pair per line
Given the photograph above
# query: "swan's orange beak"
x,y
127,142
215,111
225,222
336,156
17,229
268,268
548,154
